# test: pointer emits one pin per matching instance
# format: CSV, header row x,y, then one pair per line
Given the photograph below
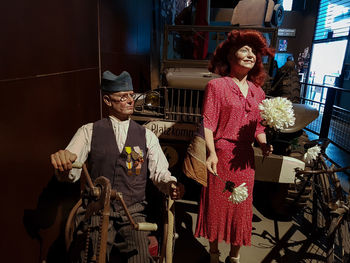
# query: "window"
x,y
333,19
287,5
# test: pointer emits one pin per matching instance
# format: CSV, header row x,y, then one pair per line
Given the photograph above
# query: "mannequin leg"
x,y
234,254
214,252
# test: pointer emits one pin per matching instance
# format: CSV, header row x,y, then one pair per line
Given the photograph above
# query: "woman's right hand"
x,y
212,161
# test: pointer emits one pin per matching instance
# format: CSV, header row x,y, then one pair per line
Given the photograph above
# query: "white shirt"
x,y
157,162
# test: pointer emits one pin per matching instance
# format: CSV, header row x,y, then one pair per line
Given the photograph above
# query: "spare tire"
x,y
278,15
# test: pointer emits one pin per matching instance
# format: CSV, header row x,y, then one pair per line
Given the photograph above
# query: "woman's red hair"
x,y
236,39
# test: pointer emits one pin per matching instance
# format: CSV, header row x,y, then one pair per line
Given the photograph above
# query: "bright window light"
x,y
327,60
287,5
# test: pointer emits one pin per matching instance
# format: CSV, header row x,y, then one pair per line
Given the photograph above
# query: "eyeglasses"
x,y
125,97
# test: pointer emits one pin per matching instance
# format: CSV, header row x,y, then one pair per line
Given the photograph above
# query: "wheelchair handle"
x,y
77,165
145,226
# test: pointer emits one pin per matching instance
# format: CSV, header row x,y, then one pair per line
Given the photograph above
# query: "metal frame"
x,y
167,63
326,120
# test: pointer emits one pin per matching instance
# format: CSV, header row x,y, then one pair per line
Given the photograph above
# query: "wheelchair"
x,y
276,185
99,195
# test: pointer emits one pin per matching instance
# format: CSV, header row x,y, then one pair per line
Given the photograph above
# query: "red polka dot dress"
x,y
235,122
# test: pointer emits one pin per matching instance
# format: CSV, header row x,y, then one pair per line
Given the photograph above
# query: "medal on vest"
x,y
128,160
137,156
134,159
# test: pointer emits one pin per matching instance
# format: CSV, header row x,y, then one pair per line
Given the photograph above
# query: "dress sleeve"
x,y
260,128
211,107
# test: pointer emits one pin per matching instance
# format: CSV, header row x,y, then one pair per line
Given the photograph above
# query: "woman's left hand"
x,y
266,149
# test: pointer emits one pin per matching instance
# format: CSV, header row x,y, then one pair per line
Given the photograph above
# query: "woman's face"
x,y
245,57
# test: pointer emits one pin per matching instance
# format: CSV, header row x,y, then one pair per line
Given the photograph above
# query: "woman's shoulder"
x,y
217,82
256,89
257,92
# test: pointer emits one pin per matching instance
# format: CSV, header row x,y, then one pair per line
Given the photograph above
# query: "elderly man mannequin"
x,y
121,150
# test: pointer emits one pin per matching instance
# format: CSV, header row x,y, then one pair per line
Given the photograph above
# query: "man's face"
x,y
121,104
245,57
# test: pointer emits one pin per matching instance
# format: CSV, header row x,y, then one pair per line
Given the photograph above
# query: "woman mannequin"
x,y
231,123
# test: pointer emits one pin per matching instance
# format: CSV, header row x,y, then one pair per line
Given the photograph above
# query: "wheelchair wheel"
x,y
69,228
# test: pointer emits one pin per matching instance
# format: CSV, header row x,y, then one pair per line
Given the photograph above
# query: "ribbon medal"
x,y
137,156
134,159
128,160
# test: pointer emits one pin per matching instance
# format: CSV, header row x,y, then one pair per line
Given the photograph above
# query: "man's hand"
x,y
176,190
62,161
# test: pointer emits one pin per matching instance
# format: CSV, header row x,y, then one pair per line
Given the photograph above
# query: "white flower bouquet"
x,y
238,194
277,113
312,153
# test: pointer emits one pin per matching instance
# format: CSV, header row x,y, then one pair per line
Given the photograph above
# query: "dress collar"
x,y
249,101
237,89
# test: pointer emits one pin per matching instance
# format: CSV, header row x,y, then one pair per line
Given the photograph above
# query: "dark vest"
x,y
127,170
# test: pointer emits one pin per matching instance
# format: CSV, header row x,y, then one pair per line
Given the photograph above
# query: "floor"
x,y
275,238
272,240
